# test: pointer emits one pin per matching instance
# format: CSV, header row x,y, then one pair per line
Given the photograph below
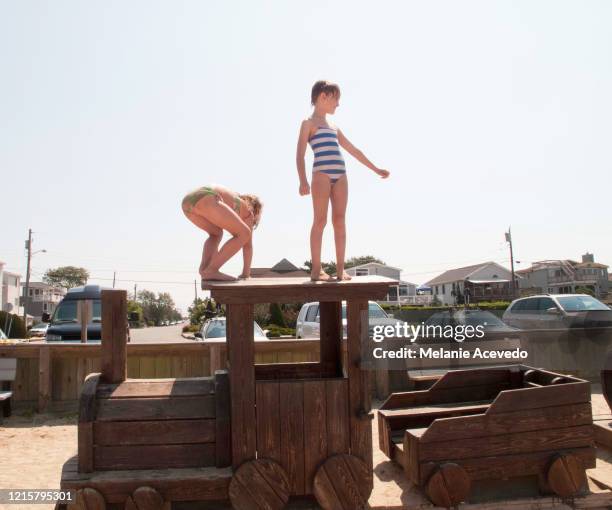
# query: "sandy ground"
x,y
34,448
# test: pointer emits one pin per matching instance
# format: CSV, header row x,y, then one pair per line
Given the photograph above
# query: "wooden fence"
x,y
50,375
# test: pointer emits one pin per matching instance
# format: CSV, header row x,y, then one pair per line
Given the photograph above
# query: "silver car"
x,y
215,329
558,312
308,321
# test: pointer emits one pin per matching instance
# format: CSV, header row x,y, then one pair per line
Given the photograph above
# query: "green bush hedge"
x,y
275,331
483,305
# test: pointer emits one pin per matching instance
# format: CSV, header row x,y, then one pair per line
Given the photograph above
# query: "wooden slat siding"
x,y
337,414
87,401
384,435
268,421
158,388
223,436
315,430
217,360
117,433
189,484
176,408
154,457
44,379
147,367
330,332
114,335
443,396
547,396
359,393
303,370
507,466
242,381
291,398
286,290
507,444
504,423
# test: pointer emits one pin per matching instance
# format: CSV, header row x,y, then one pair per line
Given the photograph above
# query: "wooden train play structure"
x,y
491,424
256,434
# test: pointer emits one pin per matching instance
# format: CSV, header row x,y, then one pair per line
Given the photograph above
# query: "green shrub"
x,y
275,331
191,328
276,315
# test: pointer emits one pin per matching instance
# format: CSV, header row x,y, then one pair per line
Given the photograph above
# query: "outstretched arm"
x,y
299,157
360,156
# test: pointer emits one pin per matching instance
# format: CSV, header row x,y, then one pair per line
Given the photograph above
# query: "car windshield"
x,y
216,329
67,311
580,303
374,311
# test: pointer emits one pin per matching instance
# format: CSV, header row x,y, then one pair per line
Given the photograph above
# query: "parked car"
x,y
215,329
3,335
558,312
39,330
308,321
493,328
64,324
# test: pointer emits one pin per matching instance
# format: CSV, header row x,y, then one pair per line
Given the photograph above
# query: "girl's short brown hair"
x,y
325,87
254,204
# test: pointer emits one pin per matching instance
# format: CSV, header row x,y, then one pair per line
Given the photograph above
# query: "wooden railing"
x,y
50,375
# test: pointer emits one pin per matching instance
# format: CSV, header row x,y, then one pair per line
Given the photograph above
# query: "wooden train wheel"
x,y
343,482
146,498
259,484
448,486
88,499
566,475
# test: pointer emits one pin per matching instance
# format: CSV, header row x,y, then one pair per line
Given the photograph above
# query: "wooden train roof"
x,y
299,289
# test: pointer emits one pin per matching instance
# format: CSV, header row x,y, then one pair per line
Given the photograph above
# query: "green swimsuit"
x,y
191,199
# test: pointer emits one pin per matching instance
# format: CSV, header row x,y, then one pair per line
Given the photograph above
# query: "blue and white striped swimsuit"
x,y
327,156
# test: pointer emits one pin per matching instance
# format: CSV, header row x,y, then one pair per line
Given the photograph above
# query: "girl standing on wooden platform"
x,y
329,181
215,209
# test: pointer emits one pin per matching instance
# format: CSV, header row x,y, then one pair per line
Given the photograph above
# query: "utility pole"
x,y
27,285
135,285
114,274
509,240
195,288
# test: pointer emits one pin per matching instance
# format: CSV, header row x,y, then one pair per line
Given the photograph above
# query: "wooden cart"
x,y
491,424
256,434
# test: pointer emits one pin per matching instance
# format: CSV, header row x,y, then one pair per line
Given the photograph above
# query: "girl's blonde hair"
x,y
323,87
255,205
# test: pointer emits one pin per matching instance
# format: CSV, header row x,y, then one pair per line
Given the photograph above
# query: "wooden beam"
x,y
330,332
114,336
44,378
359,392
241,351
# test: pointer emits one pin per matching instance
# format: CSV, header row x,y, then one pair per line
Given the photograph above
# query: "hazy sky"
x,y
487,113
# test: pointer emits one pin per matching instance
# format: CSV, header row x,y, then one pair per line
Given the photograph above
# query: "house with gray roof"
x,y
487,281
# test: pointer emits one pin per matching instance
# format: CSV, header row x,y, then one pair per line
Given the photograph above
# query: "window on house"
x,y
362,271
37,292
44,307
31,292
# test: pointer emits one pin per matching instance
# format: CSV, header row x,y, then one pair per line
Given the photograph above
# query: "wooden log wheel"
x,y
88,499
343,482
449,485
566,476
259,484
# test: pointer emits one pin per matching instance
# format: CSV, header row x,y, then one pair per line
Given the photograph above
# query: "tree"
x,y
276,315
358,261
201,309
328,267
157,309
585,290
66,276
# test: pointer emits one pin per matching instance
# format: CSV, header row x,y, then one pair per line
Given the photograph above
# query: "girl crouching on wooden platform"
x,y
215,209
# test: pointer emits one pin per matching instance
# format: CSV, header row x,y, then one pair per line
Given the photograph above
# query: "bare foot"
x,y
216,276
345,276
321,277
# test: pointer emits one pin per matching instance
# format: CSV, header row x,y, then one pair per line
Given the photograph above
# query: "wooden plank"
x,y
546,396
359,391
222,419
217,362
242,381
301,370
315,430
116,433
158,388
411,456
507,466
602,430
85,447
475,377
87,401
268,420
337,415
44,379
505,423
330,332
291,398
154,457
114,336
508,444
129,409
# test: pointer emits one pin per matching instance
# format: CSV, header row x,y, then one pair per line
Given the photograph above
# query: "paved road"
x,y
160,334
